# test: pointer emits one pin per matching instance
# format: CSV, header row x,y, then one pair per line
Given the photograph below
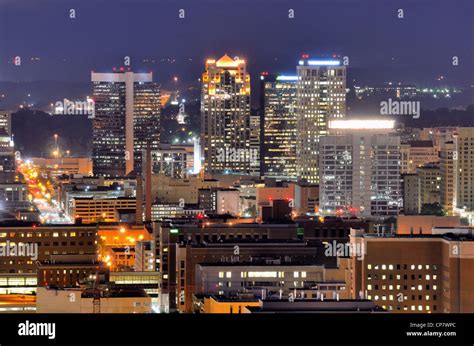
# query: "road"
x,y
41,193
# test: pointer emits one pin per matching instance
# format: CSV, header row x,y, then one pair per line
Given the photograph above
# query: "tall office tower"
x,y
7,158
464,142
127,116
321,96
278,106
5,121
255,138
225,117
410,188
448,169
360,169
146,120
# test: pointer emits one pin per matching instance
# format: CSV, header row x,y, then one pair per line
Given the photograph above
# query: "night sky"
x,y
416,49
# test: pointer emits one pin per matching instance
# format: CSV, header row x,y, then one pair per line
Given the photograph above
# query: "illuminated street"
x,y
41,193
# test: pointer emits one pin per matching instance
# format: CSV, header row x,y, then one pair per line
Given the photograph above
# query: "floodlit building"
x,y
360,169
448,175
225,118
321,96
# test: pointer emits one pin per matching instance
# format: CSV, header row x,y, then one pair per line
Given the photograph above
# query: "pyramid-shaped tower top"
x,y
227,61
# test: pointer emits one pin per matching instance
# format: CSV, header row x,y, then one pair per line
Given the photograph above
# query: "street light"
x,y
56,145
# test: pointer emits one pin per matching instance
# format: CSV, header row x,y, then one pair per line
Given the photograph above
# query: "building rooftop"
x,y
316,306
420,144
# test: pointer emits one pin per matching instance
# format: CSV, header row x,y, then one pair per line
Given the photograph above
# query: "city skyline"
x,y
267,158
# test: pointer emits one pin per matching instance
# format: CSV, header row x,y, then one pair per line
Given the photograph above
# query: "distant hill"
x,y
34,131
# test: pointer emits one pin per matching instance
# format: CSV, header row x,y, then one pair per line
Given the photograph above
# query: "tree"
x,y
432,209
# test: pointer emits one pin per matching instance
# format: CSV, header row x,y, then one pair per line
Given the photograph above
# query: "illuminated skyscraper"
x,y
225,118
127,116
278,105
5,121
464,163
448,174
321,96
360,169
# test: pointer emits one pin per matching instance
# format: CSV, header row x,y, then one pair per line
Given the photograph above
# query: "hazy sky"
x,y
417,48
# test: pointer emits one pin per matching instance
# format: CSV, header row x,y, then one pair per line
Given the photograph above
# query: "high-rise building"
x,y
127,116
360,169
7,151
5,121
321,96
7,158
464,155
416,154
225,118
411,201
278,105
448,189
